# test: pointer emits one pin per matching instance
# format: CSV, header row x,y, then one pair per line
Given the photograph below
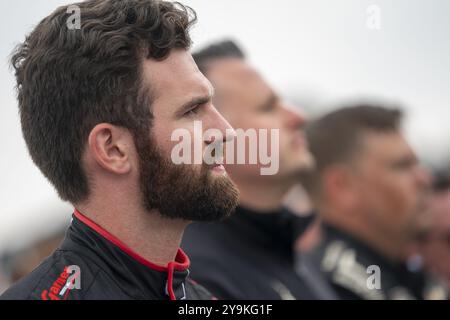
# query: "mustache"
x,y
216,154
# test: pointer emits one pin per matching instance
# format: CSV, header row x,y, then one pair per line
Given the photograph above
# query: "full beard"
x,y
181,192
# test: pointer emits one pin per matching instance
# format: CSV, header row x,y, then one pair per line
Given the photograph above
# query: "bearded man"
x,y
98,105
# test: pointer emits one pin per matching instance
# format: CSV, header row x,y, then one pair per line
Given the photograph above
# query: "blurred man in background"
x,y
372,196
20,262
434,246
98,105
250,255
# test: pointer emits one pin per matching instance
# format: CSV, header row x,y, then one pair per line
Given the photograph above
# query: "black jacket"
x,y
350,267
93,264
248,256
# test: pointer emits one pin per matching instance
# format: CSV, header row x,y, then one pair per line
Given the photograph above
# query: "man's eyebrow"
x,y
195,101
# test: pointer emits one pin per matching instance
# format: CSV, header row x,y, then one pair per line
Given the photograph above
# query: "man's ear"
x,y
111,147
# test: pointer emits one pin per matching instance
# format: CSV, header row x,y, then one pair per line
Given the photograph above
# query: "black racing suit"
x,y
356,271
93,264
250,256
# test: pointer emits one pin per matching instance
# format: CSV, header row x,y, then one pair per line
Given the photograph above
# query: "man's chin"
x,y
211,198
299,165
306,162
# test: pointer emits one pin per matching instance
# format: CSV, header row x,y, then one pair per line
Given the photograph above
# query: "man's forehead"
x,y
234,75
390,145
177,75
233,68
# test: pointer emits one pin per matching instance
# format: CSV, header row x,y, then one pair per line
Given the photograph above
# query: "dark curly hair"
x,y
69,80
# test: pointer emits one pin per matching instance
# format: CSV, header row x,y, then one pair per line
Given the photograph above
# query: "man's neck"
x,y
263,197
153,237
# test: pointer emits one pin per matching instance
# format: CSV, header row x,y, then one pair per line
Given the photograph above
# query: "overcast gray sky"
x,y
316,51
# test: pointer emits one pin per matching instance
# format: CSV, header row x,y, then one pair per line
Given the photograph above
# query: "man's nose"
x,y
294,118
423,177
219,123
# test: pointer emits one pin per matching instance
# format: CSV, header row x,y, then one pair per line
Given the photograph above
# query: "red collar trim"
x,y
181,262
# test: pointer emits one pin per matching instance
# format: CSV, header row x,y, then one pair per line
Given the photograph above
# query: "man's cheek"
x,y
396,199
162,137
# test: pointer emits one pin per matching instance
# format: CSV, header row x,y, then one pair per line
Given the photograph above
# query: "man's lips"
x,y
219,168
